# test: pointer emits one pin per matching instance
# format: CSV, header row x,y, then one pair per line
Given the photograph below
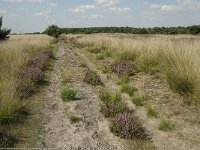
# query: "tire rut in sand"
x,y
57,130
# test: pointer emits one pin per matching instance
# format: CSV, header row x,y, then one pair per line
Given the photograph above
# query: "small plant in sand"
x,y
92,78
151,112
165,125
139,100
68,94
128,126
74,119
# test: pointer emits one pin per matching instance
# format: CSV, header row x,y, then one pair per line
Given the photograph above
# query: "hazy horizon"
x,y
24,16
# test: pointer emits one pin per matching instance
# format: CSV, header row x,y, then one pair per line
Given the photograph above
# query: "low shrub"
x,y
32,73
6,140
123,68
128,126
68,94
92,78
126,88
111,109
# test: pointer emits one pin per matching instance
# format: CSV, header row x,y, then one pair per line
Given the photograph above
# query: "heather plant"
x,y
128,126
92,78
111,109
123,67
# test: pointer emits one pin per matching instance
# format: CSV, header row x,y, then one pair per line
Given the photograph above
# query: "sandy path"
x,y
57,130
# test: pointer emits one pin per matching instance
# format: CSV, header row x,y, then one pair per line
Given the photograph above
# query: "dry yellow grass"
x,y
13,55
175,56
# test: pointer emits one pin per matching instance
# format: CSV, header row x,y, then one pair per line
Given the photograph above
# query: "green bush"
x,y
68,94
53,30
3,32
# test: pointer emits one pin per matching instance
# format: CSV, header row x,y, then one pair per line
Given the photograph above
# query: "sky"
x,y
24,16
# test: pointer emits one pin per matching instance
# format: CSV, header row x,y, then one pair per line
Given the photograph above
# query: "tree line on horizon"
x,y
54,30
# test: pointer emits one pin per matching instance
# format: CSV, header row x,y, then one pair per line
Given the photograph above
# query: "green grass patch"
x,y
140,100
74,119
92,78
123,80
130,90
107,97
105,69
68,94
165,125
151,112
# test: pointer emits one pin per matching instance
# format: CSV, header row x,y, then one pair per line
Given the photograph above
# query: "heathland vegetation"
x,y
193,30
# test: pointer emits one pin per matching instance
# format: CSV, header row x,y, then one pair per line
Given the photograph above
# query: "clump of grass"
x,y
123,80
180,82
68,94
66,80
7,140
95,50
100,56
126,88
139,100
74,119
82,64
127,55
105,69
151,112
165,125
148,63
107,97
92,78
128,126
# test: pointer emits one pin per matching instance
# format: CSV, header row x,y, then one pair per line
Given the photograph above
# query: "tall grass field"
x,y
15,52
176,57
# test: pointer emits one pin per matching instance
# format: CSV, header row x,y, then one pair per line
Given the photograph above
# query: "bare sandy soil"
x,y
58,132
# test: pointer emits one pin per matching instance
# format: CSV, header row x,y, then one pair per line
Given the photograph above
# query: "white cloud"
x,y
93,16
165,7
120,9
81,9
107,2
23,0
180,5
2,11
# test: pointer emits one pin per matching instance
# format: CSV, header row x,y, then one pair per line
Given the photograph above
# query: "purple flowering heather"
x,y
128,126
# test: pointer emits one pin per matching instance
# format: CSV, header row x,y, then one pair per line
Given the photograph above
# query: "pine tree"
x,y
3,32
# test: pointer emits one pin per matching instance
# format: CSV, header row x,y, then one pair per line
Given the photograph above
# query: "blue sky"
x,y
35,15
